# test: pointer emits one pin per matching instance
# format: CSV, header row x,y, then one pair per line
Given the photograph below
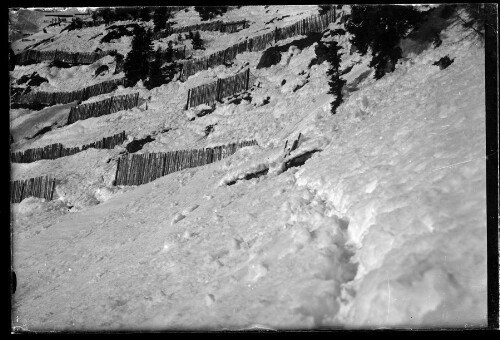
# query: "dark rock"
x,y
101,69
137,145
444,62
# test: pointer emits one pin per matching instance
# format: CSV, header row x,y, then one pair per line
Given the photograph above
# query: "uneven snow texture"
x,y
385,226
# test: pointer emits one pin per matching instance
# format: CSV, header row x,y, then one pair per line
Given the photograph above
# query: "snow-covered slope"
x,y
383,226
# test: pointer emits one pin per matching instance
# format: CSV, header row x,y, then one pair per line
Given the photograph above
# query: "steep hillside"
x,y
376,219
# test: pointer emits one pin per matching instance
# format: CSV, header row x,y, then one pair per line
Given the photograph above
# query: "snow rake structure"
x,y
103,107
144,168
42,187
54,151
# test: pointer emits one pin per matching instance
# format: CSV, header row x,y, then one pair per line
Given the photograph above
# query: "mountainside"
x,y
377,217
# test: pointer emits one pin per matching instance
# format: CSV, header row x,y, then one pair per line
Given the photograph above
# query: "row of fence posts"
x,y
219,25
316,23
103,107
209,93
77,58
139,169
57,150
53,98
42,187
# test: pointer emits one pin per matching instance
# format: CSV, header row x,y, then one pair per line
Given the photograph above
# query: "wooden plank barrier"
x,y
137,169
103,107
224,87
42,187
53,98
57,150
31,56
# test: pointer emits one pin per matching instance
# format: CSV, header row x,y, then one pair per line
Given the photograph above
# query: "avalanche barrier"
x,y
103,107
53,98
315,23
31,56
209,93
144,168
57,150
42,187
218,25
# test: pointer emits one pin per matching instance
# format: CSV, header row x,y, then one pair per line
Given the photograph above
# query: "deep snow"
x,y
384,227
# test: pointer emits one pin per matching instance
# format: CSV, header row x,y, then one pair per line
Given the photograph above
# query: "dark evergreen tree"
x,y
155,75
210,12
197,41
144,13
136,65
335,81
381,28
106,14
160,18
324,8
169,53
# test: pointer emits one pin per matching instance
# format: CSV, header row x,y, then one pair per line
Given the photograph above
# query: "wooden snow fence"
x,y
103,107
209,93
53,98
57,150
139,169
316,23
218,25
42,187
235,26
76,58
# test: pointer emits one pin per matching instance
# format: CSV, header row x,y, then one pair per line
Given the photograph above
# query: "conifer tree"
x,y
335,81
380,28
160,18
169,53
155,76
197,41
136,65
144,13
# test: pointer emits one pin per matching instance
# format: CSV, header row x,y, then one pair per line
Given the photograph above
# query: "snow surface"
x,y
385,226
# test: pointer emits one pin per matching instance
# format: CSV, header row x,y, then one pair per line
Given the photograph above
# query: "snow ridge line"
x,y
144,168
221,88
316,23
42,187
57,150
103,107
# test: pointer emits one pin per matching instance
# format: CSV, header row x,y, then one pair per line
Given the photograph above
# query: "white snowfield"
x,y
383,226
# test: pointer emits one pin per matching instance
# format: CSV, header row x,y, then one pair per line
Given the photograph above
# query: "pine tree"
x,y
335,82
160,18
155,76
197,41
380,28
169,53
144,13
107,15
208,13
136,65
